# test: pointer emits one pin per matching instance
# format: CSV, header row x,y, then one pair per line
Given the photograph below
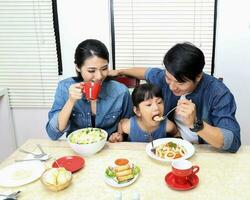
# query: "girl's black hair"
x,y
144,92
184,61
89,48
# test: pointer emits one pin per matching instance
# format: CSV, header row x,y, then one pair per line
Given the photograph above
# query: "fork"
x,y
35,155
165,116
44,158
40,147
11,196
153,149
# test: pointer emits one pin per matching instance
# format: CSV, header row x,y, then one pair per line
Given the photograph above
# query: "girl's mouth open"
x,y
157,118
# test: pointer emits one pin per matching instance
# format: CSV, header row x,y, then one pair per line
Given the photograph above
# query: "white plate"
x,y
112,182
21,173
187,145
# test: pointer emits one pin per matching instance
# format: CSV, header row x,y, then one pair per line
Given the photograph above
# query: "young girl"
x,y
143,127
72,110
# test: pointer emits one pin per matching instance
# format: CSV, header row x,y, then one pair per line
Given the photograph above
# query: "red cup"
x,y
91,89
183,171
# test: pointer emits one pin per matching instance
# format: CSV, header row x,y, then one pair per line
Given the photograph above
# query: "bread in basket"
x,y
56,179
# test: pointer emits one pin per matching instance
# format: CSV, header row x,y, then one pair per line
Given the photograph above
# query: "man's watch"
x,y
197,126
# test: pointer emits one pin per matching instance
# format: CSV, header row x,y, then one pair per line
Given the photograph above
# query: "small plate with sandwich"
x,y
122,173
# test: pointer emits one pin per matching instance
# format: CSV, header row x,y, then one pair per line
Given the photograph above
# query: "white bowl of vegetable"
x,y
87,141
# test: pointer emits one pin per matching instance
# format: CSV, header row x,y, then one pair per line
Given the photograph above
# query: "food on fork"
x,y
122,171
158,118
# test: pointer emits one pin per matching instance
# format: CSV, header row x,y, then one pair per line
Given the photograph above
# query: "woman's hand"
x,y
116,137
75,92
186,109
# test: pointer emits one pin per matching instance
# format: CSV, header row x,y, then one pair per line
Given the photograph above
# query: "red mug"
x,y
183,171
91,89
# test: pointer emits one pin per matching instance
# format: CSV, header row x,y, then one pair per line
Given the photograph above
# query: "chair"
x,y
129,81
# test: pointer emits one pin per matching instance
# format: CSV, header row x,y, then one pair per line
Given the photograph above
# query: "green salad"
x,y
87,136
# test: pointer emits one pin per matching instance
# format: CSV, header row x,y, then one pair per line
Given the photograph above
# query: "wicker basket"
x,y
53,187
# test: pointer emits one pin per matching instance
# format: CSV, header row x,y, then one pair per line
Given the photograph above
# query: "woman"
x,y
71,110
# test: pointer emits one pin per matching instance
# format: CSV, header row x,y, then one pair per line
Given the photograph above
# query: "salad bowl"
x,y
87,141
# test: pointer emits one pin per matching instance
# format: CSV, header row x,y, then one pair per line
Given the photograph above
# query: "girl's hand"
x,y
116,137
187,110
75,92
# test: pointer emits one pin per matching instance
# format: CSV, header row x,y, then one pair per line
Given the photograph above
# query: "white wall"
x,y
30,123
232,60
7,132
80,20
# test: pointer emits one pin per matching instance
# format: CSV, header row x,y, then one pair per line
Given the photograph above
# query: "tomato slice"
x,y
121,161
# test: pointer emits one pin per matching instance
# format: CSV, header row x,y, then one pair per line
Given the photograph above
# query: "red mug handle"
x,y
195,169
83,87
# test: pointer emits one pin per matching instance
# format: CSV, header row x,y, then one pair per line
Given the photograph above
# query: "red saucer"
x,y
70,163
170,180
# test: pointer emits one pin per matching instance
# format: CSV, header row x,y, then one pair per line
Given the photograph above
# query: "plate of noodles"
x,y
169,149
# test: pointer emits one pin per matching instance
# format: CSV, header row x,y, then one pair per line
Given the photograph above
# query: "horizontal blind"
x,y
28,57
146,29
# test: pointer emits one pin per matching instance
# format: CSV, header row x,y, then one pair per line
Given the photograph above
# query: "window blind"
x,y
146,29
28,57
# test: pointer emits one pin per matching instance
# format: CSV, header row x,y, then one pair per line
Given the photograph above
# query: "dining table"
x,y
222,175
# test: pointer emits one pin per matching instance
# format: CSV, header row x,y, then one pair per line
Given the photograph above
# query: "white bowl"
x,y
87,149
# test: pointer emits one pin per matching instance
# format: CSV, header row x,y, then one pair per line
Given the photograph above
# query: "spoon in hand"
x,y
158,118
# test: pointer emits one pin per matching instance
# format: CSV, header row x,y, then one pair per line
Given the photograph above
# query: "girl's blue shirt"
x,y
138,135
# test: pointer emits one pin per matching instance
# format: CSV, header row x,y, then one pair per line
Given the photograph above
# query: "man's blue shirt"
x,y
214,102
114,103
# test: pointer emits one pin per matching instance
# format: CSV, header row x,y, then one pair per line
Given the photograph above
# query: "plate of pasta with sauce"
x,y
169,149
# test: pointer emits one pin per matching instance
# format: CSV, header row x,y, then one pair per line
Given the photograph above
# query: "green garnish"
x,y
172,145
110,173
136,170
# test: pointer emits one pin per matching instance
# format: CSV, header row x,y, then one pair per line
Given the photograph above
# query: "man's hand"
x,y
187,110
113,73
116,137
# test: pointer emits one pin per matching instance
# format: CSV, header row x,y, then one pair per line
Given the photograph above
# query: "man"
x,y
205,111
